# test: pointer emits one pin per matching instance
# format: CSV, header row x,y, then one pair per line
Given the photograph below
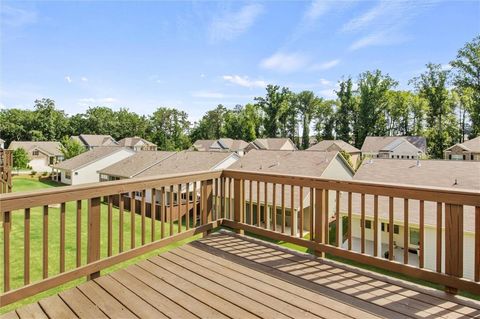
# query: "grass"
x,y
36,231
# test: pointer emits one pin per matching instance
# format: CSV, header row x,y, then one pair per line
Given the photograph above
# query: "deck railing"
x,y
111,222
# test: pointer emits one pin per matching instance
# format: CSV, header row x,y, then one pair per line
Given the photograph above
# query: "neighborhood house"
x,y
337,146
466,151
137,144
221,145
428,173
302,163
41,154
92,141
84,168
398,147
272,144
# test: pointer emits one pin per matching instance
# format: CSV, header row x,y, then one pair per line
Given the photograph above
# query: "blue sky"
x,y
194,55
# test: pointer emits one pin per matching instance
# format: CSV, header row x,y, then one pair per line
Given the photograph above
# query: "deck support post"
x,y
237,203
319,219
453,243
93,244
207,198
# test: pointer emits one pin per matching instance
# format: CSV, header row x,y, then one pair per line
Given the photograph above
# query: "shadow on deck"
x,y
229,276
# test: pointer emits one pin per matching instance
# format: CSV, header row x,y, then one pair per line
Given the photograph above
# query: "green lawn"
x,y
17,240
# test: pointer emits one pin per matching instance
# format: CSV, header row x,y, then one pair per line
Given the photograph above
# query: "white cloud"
x,y
15,17
84,79
328,94
284,62
232,24
244,81
324,82
208,95
326,65
316,9
387,37
68,79
90,101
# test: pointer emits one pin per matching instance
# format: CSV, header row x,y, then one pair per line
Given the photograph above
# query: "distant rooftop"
x,y
50,148
88,157
325,145
375,144
135,164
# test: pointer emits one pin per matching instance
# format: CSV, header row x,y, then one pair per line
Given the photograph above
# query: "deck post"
x,y
208,204
237,203
319,219
453,243
93,243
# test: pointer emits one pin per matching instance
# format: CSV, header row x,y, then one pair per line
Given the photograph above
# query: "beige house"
x,y
84,168
466,151
434,173
272,144
220,145
398,147
137,144
301,163
132,166
337,146
42,154
91,141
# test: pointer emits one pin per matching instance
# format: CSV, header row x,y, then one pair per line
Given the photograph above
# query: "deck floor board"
x,y
230,276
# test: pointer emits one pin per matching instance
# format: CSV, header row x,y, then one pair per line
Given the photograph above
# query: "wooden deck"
x,y
228,276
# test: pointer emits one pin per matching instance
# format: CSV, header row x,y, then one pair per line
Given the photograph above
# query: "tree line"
x,y
444,106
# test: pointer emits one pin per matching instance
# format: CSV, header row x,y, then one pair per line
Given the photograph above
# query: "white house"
x,y
137,144
84,168
300,163
397,147
42,154
435,173
132,166
272,144
91,141
221,145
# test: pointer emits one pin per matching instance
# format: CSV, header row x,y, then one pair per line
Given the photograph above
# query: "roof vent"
x,y
456,183
370,161
418,163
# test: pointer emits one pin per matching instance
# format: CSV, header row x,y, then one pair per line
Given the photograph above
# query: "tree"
x,y
346,111
373,90
211,125
432,85
467,76
308,105
71,148
273,106
324,120
128,124
50,122
99,120
169,129
20,158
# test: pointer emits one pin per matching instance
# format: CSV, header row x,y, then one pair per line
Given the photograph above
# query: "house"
x,y
337,146
399,147
42,154
220,145
133,165
428,173
84,168
137,144
301,163
184,162
466,151
272,144
2,144
92,141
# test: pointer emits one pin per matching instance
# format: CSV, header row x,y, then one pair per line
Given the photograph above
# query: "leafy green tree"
x,y
308,104
467,76
419,108
20,158
324,120
373,88
211,125
15,124
50,122
129,124
398,112
273,106
169,129
347,106
441,124
71,148
99,120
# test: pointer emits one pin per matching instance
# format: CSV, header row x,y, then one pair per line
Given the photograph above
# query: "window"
x,y
398,156
414,237
35,152
464,157
449,156
402,156
471,157
68,175
396,229
385,227
368,224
